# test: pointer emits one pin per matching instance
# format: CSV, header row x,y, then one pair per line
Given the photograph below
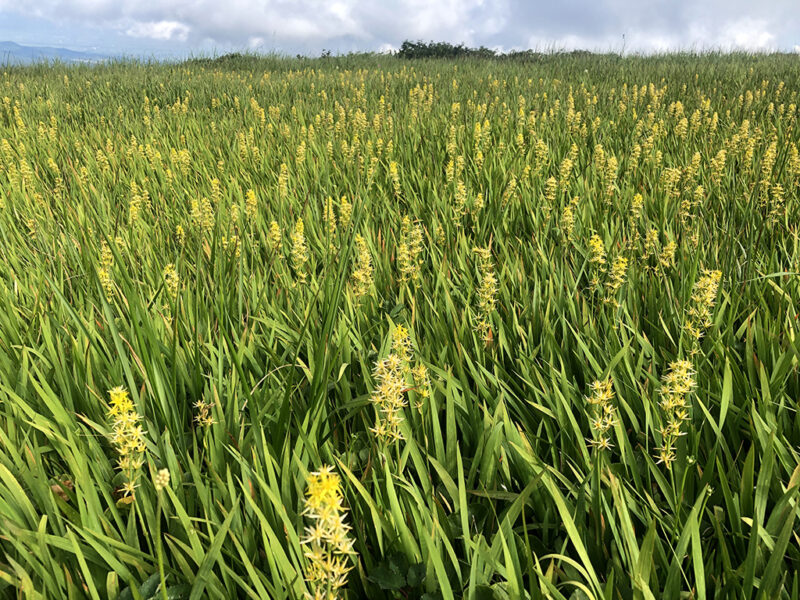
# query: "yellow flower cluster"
x,y
550,192
283,182
299,251
127,437
139,199
460,201
718,166
327,541
777,205
345,212
274,236
203,214
362,274
409,250
389,396
204,418
597,251
568,218
597,260
161,480
422,383
487,292
104,270
678,383
704,297
637,204
603,413
394,173
610,177
616,277
651,245
171,281
510,192
251,205
667,257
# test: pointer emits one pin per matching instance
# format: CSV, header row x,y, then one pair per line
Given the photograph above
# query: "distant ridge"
x,y
16,54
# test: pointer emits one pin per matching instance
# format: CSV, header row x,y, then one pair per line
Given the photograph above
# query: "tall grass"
x,y
538,319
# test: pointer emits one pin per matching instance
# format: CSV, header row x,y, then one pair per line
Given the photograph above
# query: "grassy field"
x,y
366,327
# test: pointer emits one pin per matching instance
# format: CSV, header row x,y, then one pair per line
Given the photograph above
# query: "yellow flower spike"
x,y
204,418
602,413
704,297
677,384
597,251
171,280
299,251
487,292
345,212
362,274
283,182
616,277
409,250
327,542
274,236
393,375
127,436
250,205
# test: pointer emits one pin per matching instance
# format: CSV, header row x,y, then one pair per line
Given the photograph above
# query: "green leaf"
x,y
416,575
387,576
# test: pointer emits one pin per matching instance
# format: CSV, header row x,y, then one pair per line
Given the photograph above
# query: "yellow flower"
x,y
394,174
171,280
274,236
299,251
327,541
329,217
345,212
127,436
617,275
389,395
106,282
602,413
362,274
677,384
283,182
568,218
250,205
487,292
667,256
161,480
409,250
704,297
204,418
597,250
636,207
203,214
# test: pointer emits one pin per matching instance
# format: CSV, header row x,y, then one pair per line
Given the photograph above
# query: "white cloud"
x,y
369,24
749,34
342,25
159,30
256,42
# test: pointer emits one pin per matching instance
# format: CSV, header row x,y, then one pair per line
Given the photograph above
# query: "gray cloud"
x,y
342,25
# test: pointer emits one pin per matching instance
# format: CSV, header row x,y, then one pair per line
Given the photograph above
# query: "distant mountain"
x,y
15,54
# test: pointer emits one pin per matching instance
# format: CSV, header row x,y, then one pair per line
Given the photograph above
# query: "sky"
x,y
161,28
